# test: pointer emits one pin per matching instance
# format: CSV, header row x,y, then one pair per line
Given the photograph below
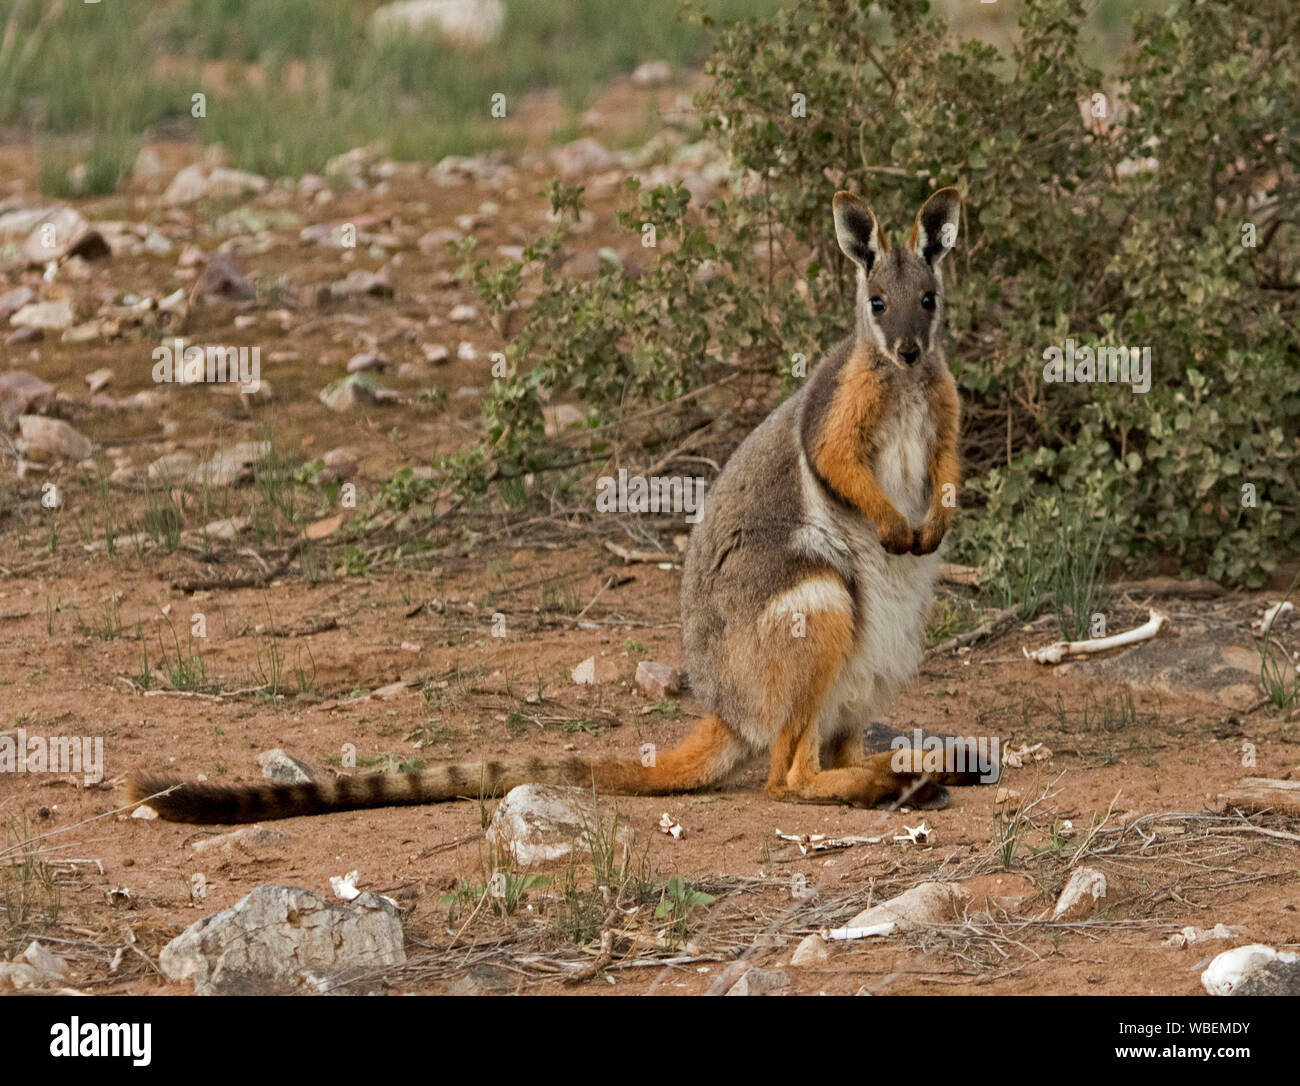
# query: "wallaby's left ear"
x,y
935,231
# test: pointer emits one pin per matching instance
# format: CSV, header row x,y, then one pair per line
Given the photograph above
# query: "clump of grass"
x,y
29,895
68,174
1277,671
616,875
188,671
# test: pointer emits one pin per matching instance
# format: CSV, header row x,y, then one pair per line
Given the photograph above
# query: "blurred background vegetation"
x,y
297,81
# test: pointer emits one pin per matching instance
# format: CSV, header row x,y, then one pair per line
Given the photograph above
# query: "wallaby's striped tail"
x,y
706,757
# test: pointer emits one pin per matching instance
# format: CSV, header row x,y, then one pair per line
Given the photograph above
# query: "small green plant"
x,y
677,906
110,622
1277,670
188,671
304,679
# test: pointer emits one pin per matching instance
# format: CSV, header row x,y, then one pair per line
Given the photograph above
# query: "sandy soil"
x,y
124,887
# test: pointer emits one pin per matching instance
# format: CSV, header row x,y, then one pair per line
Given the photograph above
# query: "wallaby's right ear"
x,y
858,231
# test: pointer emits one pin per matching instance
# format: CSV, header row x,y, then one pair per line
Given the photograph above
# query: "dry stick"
x,y
988,629
608,582
630,556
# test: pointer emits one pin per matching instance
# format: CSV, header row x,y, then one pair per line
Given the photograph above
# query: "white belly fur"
x,y
893,590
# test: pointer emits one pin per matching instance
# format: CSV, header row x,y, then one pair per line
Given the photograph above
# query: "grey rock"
x,y
64,233
1218,663
247,839
53,437
230,465
284,938
13,300
657,680
49,316
222,279
355,390
279,766
23,393
758,982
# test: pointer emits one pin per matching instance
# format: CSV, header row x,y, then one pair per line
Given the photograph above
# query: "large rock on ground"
x,y
1253,970
1079,897
539,823
1218,663
47,437
22,393
282,938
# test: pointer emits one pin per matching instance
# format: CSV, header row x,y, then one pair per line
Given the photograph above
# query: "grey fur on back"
x,y
742,552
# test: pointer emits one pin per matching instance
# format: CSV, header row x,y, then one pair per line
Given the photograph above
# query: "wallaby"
x,y
805,580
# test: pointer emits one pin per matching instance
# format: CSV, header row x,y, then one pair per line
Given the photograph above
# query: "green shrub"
x,y
1124,229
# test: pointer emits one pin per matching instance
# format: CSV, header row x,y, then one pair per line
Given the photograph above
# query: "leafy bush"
x,y
1115,211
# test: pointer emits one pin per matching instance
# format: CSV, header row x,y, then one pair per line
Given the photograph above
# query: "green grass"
x,y
301,80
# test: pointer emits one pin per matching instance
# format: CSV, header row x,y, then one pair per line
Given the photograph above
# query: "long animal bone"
x,y
1055,653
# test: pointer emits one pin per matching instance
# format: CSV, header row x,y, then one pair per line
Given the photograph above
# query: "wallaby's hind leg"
x,y
845,749
811,665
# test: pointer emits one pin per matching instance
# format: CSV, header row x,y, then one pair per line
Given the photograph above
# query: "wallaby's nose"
x,y
909,353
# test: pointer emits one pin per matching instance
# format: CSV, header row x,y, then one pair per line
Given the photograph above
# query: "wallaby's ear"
x,y
858,231
935,231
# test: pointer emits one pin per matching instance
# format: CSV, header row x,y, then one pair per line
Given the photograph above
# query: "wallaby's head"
x,y
900,290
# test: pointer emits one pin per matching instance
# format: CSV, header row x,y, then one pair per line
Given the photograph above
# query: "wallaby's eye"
x,y
877,304
927,300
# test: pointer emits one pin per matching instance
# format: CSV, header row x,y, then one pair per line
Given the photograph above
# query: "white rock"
x,y
1236,971
186,187
810,951
50,966
18,975
539,823
62,233
23,393
227,184
99,379
920,907
275,936
594,670
50,316
1084,889
581,157
652,73
557,418
355,390
54,437
172,467
466,22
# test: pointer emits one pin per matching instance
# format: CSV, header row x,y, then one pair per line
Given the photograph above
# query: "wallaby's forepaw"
x,y
927,538
896,536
